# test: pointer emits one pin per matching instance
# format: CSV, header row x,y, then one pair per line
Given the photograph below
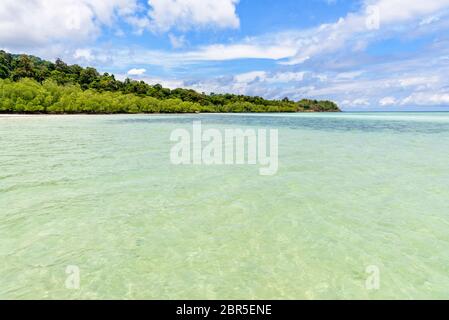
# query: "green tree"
x,y
24,68
59,87
87,77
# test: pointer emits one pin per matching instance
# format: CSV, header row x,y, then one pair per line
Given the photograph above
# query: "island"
x,y
31,85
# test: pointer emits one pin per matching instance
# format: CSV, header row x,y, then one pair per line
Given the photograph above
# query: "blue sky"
x,y
363,54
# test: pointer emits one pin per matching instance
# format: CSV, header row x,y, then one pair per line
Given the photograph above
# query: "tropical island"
x,y
30,85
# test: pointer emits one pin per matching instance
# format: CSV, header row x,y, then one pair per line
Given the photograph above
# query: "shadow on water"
x,y
321,123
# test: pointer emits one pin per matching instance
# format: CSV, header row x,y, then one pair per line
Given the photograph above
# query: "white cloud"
x,y
349,75
140,24
250,76
427,99
423,81
45,21
166,83
188,14
152,80
387,101
85,54
277,77
429,20
329,38
362,102
394,11
396,79
177,42
292,47
286,77
42,22
239,51
136,72
122,57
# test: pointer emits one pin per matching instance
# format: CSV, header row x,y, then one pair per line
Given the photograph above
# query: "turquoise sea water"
x,y
353,190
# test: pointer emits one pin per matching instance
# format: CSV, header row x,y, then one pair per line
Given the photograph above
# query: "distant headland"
x,y
31,85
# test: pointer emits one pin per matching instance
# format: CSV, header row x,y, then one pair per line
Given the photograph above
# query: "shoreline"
x,y
24,115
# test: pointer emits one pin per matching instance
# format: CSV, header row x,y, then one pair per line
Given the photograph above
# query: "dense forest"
x,y
31,85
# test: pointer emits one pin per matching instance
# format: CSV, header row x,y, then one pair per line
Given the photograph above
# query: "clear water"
x,y
99,192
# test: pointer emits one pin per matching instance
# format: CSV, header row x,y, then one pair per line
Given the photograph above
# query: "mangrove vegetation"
x,y
31,85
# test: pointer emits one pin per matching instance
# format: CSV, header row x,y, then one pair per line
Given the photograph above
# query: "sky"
x,y
374,55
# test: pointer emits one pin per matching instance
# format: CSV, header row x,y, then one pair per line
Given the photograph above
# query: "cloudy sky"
x,y
363,54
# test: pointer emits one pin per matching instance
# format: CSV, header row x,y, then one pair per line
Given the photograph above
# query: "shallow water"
x,y
353,190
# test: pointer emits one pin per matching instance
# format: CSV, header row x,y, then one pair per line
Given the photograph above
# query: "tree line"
x,y
29,84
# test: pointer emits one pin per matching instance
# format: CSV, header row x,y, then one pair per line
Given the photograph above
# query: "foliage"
x,y
33,85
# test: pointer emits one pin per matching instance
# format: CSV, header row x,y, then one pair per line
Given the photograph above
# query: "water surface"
x,y
99,192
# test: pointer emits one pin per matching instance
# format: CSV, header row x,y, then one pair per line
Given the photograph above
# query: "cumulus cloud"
x,y
41,22
177,41
285,77
421,81
250,76
44,21
394,11
288,47
387,101
274,77
427,99
375,15
136,72
85,54
361,102
187,14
